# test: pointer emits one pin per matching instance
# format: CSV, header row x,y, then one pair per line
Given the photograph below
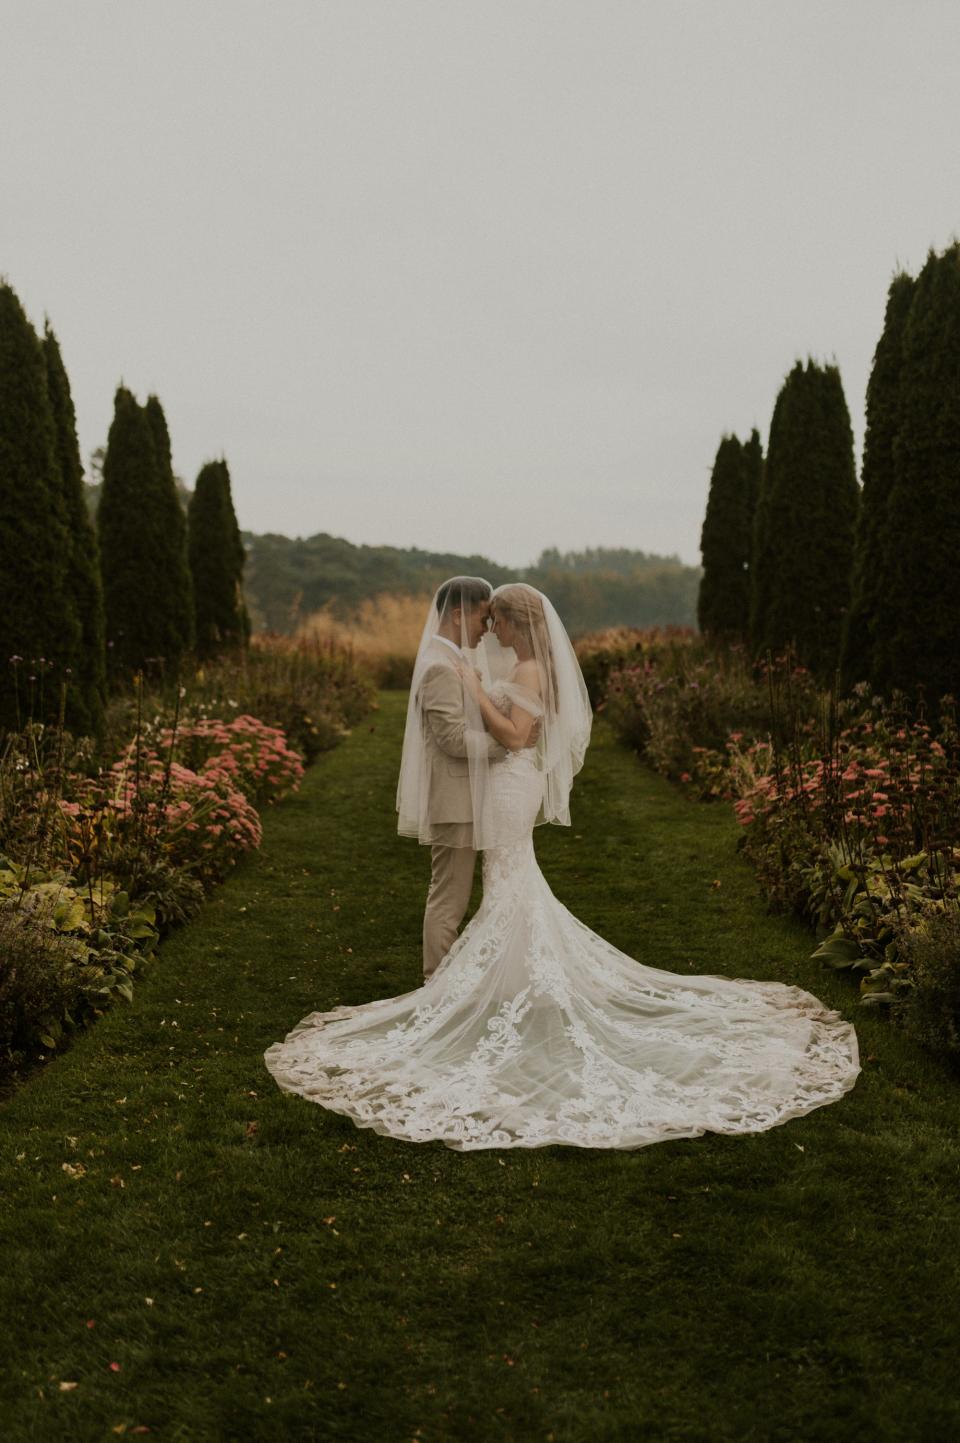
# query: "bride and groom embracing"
x,y
529,1028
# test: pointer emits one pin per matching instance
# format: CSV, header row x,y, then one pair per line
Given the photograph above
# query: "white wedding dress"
x,y
533,1030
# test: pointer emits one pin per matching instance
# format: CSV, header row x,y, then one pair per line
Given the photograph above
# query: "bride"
x,y
533,1030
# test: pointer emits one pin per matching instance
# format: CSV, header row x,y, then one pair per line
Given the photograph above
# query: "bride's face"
x,y
501,627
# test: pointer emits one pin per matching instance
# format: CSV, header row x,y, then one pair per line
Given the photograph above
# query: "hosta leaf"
x,y
69,914
838,951
120,904
140,929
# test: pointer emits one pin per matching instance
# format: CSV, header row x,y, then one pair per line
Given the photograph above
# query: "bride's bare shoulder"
x,y
527,673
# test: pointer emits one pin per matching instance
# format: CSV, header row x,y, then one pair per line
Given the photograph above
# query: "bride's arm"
x,y
441,699
515,731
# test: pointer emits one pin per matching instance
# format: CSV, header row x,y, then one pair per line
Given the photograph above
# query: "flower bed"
x,y
849,809
107,843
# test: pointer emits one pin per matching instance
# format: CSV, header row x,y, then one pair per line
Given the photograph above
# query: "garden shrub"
x,y
849,808
929,1009
39,985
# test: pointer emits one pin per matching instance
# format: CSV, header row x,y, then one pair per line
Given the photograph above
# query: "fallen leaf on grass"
x,y
117,1181
250,1130
66,1387
73,1169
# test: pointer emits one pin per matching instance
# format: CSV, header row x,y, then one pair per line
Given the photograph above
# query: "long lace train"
x,y
534,1030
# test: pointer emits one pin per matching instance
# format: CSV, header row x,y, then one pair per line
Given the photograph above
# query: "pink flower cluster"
x,y
255,757
202,819
872,784
197,805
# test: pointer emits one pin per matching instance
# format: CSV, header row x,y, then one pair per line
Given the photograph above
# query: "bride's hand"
x,y
471,680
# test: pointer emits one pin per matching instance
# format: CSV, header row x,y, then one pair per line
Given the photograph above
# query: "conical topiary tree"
x,y
723,604
753,464
762,555
179,590
919,622
85,698
216,557
868,621
37,621
809,499
125,518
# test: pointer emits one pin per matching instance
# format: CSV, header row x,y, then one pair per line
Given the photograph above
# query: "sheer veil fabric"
x,y
443,717
457,635
534,1030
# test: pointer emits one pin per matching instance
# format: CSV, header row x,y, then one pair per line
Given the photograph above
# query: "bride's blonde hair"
x,y
523,608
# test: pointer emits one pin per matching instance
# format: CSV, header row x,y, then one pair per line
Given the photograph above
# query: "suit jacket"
x,y
448,742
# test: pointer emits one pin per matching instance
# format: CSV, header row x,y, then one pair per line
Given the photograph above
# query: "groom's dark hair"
x,y
460,590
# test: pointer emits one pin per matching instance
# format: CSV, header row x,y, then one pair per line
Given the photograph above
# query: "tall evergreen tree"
x,y
216,558
85,697
809,499
37,620
919,623
763,568
723,605
125,519
179,591
753,464
142,546
868,621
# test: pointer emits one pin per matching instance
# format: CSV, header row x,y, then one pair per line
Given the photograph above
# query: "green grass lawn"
x,y
237,1263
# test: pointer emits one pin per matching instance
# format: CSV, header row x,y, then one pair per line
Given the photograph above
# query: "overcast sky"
x,y
471,275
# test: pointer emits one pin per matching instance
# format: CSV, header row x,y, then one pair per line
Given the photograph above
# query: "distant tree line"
x,y
288,579
82,606
863,581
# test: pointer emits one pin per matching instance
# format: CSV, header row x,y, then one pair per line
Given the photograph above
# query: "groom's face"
x,y
477,620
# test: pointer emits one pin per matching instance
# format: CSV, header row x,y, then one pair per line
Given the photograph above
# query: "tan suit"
x,y
450,808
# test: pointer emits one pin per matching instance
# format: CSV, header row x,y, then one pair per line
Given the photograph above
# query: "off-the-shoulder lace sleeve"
x,y
522,696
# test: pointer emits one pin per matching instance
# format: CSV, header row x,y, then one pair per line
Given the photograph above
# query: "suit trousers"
x,y
451,882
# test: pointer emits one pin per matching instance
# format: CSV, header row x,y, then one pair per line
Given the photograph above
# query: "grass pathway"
x,y
259,1269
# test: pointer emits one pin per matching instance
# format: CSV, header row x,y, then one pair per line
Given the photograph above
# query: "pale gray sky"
x,y
472,275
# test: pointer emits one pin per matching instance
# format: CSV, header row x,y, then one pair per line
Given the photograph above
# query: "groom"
x,y
463,608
